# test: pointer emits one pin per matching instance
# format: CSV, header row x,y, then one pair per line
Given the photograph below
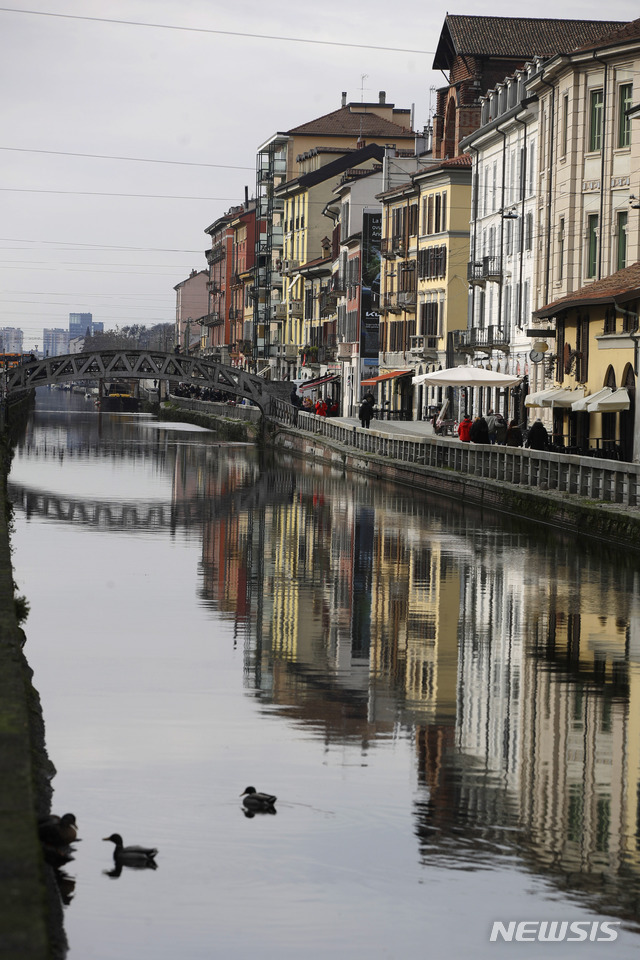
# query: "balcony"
x,y
286,351
295,309
288,267
491,338
407,299
487,268
279,311
345,351
424,347
212,319
390,303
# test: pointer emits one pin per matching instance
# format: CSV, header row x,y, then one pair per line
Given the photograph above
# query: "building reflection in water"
x,y
510,656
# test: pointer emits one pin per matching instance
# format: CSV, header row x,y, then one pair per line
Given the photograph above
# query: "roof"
x,y
622,34
347,123
515,38
623,285
332,169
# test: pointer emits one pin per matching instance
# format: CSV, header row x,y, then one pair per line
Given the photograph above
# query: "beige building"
x,y
588,160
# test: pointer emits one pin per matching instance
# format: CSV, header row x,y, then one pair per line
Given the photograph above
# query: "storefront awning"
x,y
613,401
318,382
372,381
580,406
536,399
561,398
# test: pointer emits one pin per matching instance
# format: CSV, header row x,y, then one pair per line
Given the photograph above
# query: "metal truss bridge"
x,y
147,365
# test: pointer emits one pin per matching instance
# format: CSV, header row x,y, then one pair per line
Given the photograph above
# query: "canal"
x,y
446,704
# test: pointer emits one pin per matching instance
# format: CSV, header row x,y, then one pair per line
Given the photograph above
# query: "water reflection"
x,y
507,656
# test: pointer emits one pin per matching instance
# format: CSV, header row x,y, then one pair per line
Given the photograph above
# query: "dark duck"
x,y
58,831
133,856
256,802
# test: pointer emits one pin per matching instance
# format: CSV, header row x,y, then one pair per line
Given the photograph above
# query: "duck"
x,y
58,831
256,802
131,856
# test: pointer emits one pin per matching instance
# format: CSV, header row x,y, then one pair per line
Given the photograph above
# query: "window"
x,y
438,212
624,121
565,124
443,224
531,166
622,240
561,249
528,232
506,313
494,185
592,245
596,104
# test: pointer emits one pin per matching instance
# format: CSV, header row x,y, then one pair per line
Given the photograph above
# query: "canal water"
x,y
446,703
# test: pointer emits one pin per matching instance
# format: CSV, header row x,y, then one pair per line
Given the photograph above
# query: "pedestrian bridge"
x,y
146,365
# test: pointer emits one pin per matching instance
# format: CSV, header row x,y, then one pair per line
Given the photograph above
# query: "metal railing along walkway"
x,y
606,481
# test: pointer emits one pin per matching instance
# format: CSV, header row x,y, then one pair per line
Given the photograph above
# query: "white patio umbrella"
x,y
467,376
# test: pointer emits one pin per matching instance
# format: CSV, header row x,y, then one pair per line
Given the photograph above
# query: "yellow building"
x,y
425,242
594,400
305,228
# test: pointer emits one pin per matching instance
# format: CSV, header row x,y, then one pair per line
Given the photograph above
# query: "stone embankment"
x,y
28,908
380,455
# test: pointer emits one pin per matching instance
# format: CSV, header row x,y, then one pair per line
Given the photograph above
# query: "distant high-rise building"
x,y
11,340
55,342
79,323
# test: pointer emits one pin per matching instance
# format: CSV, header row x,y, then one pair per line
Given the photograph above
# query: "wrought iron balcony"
x,y
490,338
487,268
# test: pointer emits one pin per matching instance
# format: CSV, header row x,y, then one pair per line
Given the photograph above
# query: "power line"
x,y
95,246
103,156
221,33
97,193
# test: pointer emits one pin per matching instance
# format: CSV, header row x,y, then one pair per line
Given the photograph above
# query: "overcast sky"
x,y
204,98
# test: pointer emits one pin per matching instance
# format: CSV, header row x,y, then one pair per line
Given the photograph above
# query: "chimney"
x,y
246,197
382,97
344,98
326,247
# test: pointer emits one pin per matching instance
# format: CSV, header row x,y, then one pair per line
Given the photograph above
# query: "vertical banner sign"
x,y
370,288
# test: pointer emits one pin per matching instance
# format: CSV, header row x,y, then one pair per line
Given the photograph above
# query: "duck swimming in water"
x,y
133,856
256,802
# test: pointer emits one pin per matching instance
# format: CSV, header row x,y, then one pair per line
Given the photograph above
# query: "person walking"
x,y
365,413
514,435
464,428
538,438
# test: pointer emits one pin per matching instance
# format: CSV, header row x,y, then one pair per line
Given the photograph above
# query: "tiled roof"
x,y
623,285
623,34
516,38
464,160
345,123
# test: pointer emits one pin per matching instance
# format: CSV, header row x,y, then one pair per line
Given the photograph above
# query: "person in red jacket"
x,y
464,428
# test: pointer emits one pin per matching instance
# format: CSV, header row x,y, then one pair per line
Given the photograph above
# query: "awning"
x,y
536,399
467,376
318,382
616,400
581,405
372,381
561,398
